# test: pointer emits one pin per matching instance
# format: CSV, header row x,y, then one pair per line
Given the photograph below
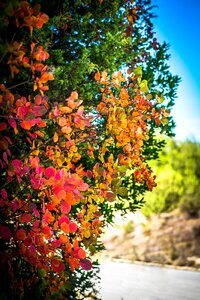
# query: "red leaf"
x,y
14,205
56,111
49,172
65,207
3,126
57,265
22,111
28,241
85,264
39,133
57,189
2,203
73,227
36,212
8,139
36,224
4,194
12,123
25,218
20,235
17,164
38,99
59,192
3,144
47,230
5,157
40,54
56,243
63,219
5,232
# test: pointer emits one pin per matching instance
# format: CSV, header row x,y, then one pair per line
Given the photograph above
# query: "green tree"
x,y
178,180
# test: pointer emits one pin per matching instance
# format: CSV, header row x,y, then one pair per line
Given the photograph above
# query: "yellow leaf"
x,y
35,152
87,234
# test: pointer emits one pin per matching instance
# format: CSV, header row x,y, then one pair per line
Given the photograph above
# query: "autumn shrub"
x,y
77,133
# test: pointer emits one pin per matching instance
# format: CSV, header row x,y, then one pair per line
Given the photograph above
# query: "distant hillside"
x,y
171,238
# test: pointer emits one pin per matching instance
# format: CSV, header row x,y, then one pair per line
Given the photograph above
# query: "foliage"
x,y
76,134
178,180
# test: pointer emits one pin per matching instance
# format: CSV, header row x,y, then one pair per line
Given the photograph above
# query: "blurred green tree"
x,y
178,179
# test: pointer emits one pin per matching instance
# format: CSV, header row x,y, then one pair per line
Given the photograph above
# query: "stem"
x,y
14,86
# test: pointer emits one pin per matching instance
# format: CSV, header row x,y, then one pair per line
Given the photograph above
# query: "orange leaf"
x,y
97,76
65,109
55,137
46,76
64,239
65,227
27,124
66,129
48,217
62,121
81,253
41,123
74,95
40,54
73,263
70,198
39,133
61,194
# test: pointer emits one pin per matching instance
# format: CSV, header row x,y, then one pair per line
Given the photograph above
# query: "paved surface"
x,y
123,281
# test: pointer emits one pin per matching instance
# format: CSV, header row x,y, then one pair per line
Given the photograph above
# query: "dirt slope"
x,y
171,238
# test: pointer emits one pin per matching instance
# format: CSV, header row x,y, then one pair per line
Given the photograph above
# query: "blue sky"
x,y
178,23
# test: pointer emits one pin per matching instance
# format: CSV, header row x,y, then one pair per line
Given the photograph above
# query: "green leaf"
x,y
144,86
138,71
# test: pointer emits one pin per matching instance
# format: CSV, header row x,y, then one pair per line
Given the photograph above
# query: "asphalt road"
x,y
123,281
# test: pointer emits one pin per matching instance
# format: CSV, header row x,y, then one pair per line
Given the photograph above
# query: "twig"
x,y
14,86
